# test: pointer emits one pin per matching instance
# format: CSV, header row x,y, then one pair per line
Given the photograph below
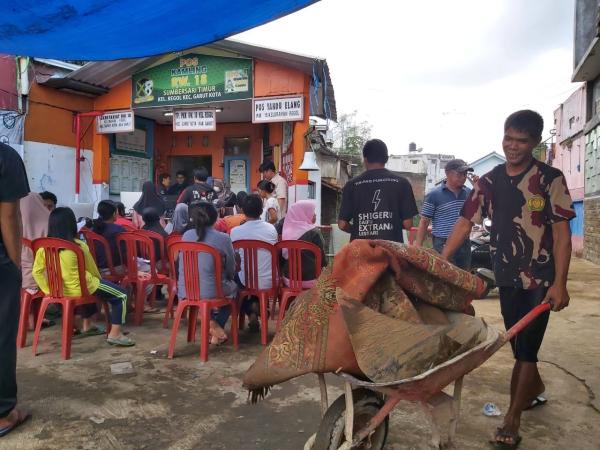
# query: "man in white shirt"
x,y
281,187
255,228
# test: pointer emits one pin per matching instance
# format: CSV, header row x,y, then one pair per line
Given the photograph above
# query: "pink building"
x,y
569,155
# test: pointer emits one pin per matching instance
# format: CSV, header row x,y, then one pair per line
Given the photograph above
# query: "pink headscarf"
x,y
34,215
299,219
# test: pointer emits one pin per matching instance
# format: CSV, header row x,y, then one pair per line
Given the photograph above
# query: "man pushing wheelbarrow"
x,y
389,319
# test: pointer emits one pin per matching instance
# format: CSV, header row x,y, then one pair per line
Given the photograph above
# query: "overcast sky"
x,y
443,74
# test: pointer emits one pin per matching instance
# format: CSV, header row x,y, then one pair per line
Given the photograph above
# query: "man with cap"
x,y
442,207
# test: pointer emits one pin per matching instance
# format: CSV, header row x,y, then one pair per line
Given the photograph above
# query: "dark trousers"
x,y
116,297
515,303
462,256
10,288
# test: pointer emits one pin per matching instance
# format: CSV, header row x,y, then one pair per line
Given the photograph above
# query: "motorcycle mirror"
x,y
487,223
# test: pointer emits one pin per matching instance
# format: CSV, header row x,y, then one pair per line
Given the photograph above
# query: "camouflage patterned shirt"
x,y
522,209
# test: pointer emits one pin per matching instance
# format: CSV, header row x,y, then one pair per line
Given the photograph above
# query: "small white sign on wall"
x,y
115,122
194,120
277,109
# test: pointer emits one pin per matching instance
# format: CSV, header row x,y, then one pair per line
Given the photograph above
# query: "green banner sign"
x,y
192,79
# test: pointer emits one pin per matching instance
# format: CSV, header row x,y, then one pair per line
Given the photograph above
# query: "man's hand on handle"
x,y
557,296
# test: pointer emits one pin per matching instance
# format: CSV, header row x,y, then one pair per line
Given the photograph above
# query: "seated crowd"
x,y
199,216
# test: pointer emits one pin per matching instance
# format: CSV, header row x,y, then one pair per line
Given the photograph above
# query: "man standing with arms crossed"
x,y
442,208
13,187
378,204
530,207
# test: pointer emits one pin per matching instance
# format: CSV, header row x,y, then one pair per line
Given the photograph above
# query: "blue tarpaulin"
x,y
117,29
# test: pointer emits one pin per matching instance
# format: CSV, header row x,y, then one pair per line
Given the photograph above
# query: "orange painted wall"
x,y
118,97
274,79
50,117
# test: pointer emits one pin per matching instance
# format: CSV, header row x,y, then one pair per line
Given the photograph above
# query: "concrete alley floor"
x,y
183,404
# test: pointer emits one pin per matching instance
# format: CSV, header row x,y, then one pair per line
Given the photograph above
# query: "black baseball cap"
x,y
458,165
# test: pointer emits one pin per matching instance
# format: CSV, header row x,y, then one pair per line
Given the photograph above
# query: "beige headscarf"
x,y
34,215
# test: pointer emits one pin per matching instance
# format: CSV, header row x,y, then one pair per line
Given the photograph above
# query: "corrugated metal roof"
x,y
100,76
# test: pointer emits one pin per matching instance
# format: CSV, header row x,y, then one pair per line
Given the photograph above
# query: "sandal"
x,y
19,418
93,331
501,433
214,340
152,311
121,341
538,401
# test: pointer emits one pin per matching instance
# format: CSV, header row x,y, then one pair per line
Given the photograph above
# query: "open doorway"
x,y
189,163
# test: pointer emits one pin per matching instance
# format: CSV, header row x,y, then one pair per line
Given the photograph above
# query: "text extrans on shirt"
x,y
377,202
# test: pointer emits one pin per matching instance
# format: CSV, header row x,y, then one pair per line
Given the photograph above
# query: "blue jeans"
x,y
462,256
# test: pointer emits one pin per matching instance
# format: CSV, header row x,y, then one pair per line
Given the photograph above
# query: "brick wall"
x,y
591,231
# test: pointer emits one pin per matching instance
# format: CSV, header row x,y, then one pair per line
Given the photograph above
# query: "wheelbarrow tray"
x,y
427,384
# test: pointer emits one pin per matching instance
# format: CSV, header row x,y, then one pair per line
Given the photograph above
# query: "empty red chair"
x,y
134,245
29,306
187,253
250,249
52,248
94,241
294,250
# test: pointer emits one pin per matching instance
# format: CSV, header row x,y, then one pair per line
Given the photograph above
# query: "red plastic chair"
x,y
94,241
250,248
52,248
188,253
30,304
163,268
171,239
134,245
294,250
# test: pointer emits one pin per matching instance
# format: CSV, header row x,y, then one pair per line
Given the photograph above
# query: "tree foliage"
x,y
350,134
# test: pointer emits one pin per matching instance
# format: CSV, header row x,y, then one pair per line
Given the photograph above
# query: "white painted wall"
x,y
52,168
485,166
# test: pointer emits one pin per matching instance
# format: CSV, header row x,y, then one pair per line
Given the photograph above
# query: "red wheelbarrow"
x,y
366,406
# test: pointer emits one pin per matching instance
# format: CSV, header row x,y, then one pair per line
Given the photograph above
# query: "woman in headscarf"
x,y
149,199
35,216
180,220
299,224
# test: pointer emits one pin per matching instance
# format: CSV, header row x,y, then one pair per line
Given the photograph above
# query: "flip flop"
x,y
93,331
121,341
152,311
213,340
538,401
22,417
502,433
48,323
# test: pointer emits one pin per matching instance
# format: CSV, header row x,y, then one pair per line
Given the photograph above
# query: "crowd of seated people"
x,y
215,223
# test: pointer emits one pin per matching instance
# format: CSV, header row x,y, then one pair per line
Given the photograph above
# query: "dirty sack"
x,y
384,312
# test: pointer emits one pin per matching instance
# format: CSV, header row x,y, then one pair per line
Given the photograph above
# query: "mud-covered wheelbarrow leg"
x,y
443,412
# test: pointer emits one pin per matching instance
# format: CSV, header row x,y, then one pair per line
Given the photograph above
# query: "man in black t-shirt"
x,y
377,204
198,192
13,187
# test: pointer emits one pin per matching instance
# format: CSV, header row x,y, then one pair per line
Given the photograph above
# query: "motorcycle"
x,y
481,256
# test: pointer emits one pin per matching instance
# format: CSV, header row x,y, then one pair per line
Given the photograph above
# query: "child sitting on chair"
x,y
63,225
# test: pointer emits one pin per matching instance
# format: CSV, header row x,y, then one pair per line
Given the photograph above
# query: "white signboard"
x,y
237,175
194,120
115,122
277,109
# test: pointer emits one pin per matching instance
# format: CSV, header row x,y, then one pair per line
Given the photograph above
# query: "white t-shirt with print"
x,y
281,191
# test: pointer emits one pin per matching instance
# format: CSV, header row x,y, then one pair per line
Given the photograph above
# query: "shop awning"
x,y
108,29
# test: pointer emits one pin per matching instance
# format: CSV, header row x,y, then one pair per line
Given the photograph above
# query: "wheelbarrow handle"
x,y
527,319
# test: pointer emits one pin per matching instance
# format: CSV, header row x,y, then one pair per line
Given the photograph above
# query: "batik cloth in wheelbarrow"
x,y
384,312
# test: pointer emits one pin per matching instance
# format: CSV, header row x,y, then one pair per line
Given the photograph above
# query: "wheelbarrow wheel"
x,y
367,403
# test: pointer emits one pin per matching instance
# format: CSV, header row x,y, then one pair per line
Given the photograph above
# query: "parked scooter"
x,y
481,256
